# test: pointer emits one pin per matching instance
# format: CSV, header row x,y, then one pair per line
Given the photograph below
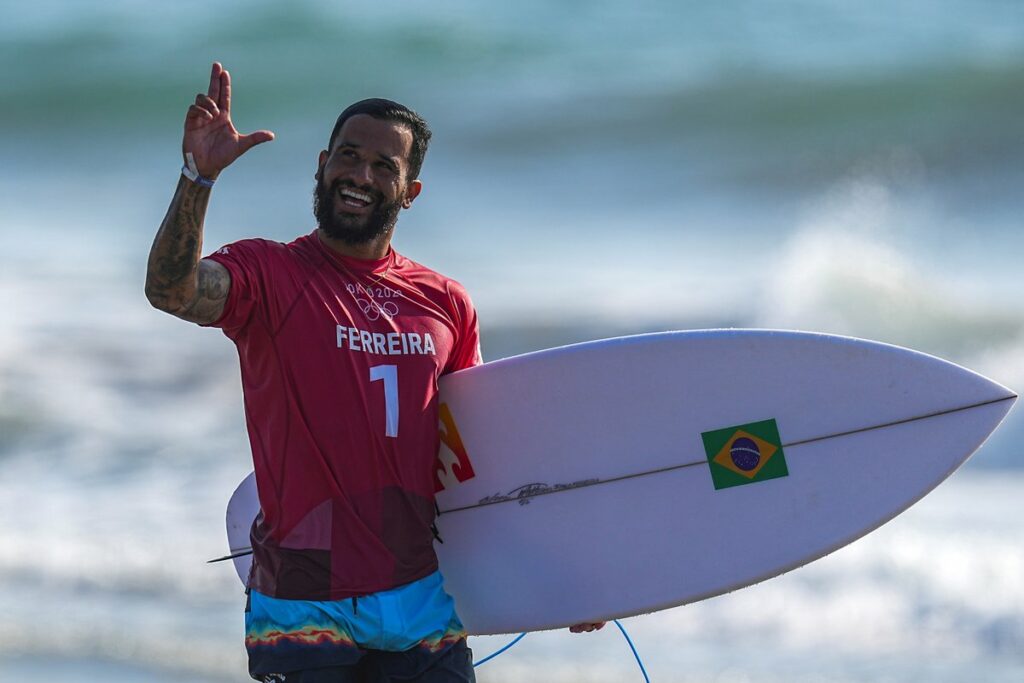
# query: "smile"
x,y
355,198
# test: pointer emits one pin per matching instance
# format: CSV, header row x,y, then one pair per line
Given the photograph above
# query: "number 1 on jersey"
x,y
388,373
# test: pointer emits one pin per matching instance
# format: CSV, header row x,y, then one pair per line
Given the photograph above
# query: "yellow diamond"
x,y
745,454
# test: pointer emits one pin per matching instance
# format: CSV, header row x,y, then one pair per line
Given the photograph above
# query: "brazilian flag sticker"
x,y
745,454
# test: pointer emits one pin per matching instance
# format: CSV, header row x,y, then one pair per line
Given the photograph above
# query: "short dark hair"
x,y
388,110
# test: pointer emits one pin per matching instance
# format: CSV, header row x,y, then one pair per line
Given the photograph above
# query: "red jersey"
x,y
340,359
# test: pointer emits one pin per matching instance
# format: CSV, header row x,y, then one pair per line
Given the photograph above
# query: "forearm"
x,y
178,280
171,278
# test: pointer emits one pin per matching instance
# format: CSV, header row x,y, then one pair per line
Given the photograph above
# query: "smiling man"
x,y
363,179
341,342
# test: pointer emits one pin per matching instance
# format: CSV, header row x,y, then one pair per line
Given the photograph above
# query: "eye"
x,y
347,156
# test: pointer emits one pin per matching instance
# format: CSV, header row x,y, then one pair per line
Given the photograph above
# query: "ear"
x,y
411,192
320,164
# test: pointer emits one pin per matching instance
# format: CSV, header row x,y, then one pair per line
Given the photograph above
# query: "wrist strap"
x,y
190,171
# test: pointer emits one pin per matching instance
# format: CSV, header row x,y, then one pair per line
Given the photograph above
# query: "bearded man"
x,y
341,342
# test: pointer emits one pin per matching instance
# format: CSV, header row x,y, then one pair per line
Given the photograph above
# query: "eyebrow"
x,y
391,160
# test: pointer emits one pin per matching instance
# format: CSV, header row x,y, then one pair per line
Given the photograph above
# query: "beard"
x,y
349,228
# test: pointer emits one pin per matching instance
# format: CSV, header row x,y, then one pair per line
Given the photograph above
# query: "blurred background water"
x,y
598,168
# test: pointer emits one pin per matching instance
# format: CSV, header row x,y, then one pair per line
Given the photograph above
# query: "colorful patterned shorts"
x,y
417,619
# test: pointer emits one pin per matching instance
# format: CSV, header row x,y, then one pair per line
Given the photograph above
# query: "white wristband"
x,y
190,171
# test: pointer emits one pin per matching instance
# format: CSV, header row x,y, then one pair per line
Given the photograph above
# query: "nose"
x,y
361,174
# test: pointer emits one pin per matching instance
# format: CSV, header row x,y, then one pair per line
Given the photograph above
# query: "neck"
x,y
373,250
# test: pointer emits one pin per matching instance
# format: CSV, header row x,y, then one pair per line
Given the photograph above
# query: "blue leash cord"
x,y
631,647
495,654
523,635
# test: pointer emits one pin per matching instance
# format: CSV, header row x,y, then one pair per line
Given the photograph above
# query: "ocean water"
x,y
597,169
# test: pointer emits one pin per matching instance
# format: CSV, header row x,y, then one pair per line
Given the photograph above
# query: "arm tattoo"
x,y
214,283
176,281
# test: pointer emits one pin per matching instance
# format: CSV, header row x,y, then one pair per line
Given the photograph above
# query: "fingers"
x,y
249,141
196,112
587,628
204,102
213,92
225,91
220,86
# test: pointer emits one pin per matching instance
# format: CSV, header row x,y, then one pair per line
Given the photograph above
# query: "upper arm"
x,y
213,284
466,352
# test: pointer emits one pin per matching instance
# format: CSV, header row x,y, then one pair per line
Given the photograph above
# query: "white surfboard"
x,y
624,476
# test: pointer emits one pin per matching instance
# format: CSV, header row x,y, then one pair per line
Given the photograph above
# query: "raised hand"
x,y
210,136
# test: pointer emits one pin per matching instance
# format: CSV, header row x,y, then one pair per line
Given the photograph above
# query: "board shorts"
x,y
454,665
401,633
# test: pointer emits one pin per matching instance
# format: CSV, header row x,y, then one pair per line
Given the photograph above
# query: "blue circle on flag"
x,y
745,453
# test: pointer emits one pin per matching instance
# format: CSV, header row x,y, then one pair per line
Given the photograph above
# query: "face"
x,y
362,182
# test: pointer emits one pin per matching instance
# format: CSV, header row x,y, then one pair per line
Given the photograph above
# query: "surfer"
x,y
341,341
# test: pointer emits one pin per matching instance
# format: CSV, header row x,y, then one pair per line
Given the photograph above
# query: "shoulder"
x,y
265,252
246,251
429,281
250,245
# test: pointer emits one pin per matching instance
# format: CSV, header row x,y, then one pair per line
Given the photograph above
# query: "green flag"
x,y
745,454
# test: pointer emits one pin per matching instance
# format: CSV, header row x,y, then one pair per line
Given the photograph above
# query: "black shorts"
x,y
418,665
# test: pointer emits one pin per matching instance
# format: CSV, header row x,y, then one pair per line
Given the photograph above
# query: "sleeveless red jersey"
x,y
340,359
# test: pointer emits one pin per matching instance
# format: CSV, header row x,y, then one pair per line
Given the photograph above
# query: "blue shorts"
x,y
284,636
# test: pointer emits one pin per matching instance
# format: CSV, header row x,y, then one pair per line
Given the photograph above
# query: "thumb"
x,y
249,141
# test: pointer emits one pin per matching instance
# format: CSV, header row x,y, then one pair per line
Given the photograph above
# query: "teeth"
x,y
357,195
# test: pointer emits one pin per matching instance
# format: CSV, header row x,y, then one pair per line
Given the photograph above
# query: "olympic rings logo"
x,y
369,306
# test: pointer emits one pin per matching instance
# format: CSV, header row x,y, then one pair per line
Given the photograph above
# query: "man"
x,y
341,342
